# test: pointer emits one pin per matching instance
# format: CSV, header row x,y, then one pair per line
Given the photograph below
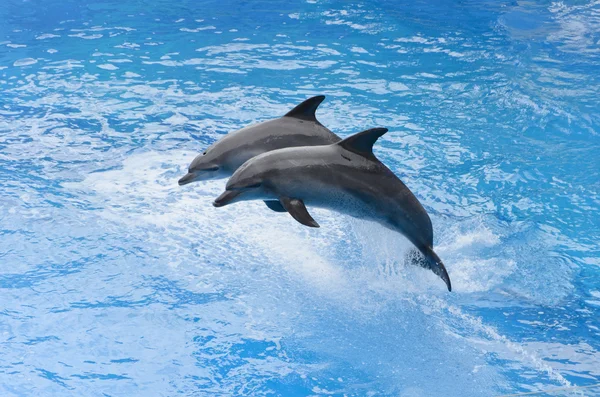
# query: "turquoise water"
x,y
116,281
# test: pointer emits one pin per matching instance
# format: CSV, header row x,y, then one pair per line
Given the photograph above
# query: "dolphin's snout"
x,y
188,178
226,197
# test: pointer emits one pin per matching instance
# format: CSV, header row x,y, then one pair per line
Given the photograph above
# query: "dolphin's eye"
x,y
204,154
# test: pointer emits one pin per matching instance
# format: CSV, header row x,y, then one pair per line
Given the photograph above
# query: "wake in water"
x,y
352,284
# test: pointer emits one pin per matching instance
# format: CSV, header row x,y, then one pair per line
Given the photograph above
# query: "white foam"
x,y
46,36
25,62
108,66
142,179
86,36
397,86
413,39
359,50
198,29
177,119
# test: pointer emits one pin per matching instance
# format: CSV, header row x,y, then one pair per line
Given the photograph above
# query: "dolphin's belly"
x,y
384,209
340,201
376,211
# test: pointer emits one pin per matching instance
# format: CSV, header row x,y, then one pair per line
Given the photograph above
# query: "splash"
x,y
347,274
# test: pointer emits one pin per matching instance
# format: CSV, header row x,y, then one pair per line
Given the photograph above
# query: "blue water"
x,y
115,281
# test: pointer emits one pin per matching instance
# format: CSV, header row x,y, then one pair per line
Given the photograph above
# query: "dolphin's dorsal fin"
x,y
362,143
306,110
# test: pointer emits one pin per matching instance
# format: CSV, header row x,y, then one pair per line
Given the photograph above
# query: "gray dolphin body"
x,y
345,177
299,127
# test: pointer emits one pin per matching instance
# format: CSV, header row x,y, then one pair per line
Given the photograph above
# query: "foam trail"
x,y
388,250
477,324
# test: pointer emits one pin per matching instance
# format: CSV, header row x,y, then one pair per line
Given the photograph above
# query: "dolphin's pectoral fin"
x,y
306,110
298,210
429,260
275,205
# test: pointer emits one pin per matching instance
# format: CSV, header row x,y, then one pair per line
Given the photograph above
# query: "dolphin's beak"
x,y
188,178
226,197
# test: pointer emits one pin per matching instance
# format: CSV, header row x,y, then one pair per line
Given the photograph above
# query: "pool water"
x,y
115,281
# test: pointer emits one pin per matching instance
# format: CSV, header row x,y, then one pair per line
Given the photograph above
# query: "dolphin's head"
x,y
245,184
204,167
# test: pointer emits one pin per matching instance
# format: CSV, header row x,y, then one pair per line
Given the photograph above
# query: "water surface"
x,y
116,281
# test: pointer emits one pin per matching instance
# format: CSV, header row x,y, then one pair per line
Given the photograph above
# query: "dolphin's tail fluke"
x,y
430,260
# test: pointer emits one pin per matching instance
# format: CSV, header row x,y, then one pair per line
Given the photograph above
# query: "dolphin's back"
x,y
299,127
236,148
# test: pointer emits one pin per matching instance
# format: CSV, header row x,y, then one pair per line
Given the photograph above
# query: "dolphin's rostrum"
x,y
345,177
299,127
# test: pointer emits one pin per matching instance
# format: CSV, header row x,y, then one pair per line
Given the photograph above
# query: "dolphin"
x,y
299,127
345,177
